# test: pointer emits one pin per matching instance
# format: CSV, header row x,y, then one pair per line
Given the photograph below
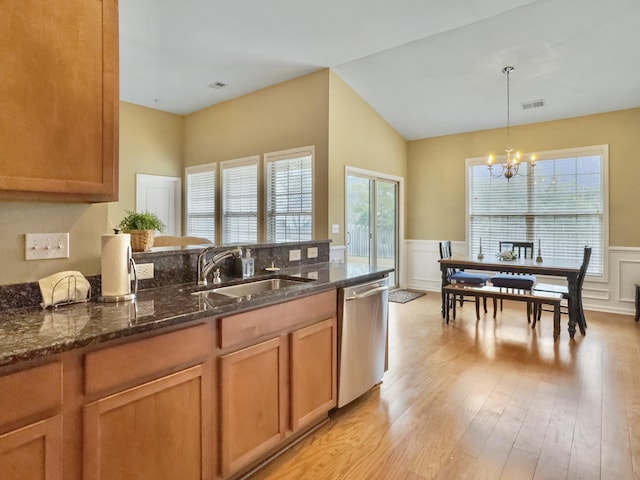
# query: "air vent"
x,y
217,85
533,104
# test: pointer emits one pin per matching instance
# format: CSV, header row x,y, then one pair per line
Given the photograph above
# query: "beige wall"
x,y
151,142
85,223
317,109
288,115
436,183
358,137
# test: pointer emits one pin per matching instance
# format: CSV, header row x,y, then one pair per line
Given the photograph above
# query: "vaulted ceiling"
x,y
429,67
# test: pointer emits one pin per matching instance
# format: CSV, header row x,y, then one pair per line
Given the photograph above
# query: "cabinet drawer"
x,y
142,359
252,325
30,392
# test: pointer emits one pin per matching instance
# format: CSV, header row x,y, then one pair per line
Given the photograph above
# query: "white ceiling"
x,y
429,67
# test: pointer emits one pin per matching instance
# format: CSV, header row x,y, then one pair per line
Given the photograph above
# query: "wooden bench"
x,y
486,291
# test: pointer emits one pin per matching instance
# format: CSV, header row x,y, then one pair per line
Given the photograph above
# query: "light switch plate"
x,y
335,228
45,246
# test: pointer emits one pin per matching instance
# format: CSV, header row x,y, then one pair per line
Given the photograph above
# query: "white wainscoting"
x,y
615,295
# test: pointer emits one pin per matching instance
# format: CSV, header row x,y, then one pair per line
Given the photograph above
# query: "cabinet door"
x,y
150,432
252,402
33,452
59,97
313,372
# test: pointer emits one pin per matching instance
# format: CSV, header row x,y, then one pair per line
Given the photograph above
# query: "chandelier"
x,y
511,167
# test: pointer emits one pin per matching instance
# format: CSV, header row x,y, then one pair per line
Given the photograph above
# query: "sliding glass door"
x,y
372,221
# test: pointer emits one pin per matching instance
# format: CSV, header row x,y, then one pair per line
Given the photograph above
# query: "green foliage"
x,y
141,221
359,192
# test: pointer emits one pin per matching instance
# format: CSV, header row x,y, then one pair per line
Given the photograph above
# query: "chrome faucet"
x,y
205,267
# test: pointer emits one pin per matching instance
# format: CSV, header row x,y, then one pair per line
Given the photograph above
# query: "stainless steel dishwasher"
x,y
364,314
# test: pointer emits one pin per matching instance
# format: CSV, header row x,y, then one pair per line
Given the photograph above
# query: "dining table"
x,y
567,269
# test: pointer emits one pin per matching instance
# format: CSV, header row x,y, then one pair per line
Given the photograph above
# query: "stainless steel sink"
x,y
252,288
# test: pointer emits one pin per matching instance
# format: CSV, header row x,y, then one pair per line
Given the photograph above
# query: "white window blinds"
x,y
560,205
240,201
290,195
201,201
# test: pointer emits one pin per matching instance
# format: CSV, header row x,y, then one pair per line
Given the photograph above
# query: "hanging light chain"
x,y
508,70
511,166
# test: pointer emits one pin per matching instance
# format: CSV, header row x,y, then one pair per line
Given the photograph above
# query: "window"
x,y
290,195
201,201
560,205
240,200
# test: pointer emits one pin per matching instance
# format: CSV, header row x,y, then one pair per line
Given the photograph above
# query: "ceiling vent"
x,y
217,85
533,104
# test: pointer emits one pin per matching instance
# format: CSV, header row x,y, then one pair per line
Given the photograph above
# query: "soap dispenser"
x,y
248,269
252,269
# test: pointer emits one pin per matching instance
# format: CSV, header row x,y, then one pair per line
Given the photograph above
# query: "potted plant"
x,y
142,227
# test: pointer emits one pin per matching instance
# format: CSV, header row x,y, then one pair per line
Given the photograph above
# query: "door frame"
x,y
348,170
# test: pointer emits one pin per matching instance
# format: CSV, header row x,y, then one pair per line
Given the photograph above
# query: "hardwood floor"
x,y
486,400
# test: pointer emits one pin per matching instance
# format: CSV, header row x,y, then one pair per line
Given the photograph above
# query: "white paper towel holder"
x,y
129,296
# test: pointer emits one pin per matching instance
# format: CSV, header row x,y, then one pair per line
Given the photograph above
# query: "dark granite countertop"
x,y
32,333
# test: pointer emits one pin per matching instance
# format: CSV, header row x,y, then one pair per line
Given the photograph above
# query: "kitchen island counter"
x,y
34,333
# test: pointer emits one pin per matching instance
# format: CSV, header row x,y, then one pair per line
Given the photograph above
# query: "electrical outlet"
x,y
144,270
294,255
312,252
44,246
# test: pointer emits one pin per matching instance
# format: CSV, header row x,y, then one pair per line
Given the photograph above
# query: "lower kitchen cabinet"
x,y
204,401
149,411
251,403
149,432
313,372
31,424
33,452
275,389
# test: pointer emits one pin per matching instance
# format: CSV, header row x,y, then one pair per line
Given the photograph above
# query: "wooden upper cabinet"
x,y
59,100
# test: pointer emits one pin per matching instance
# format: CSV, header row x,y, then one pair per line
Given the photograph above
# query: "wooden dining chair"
x,y
564,290
512,280
460,276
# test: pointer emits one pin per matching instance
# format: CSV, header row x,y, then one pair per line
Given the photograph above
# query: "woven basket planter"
x,y
142,240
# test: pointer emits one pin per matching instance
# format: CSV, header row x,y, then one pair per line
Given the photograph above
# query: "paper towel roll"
x,y
115,264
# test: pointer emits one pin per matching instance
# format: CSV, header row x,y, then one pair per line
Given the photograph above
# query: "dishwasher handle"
x,y
367,293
